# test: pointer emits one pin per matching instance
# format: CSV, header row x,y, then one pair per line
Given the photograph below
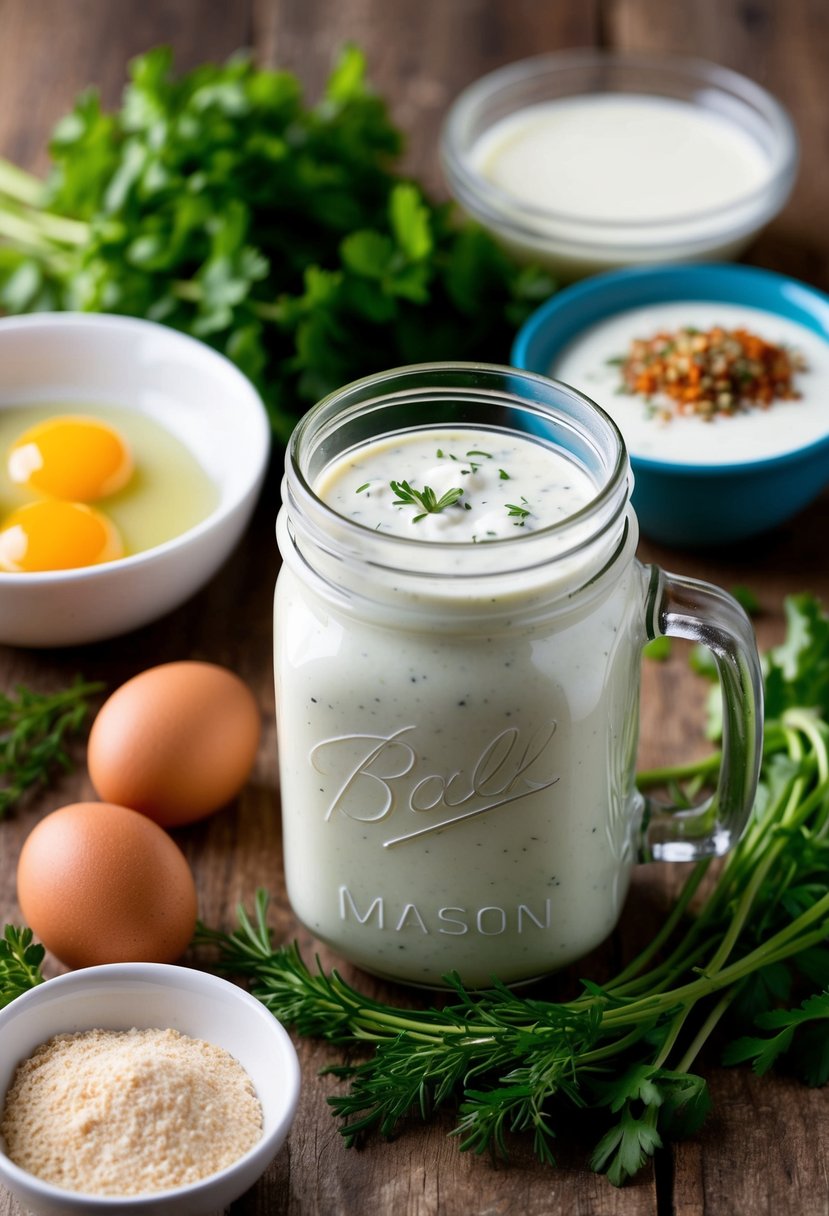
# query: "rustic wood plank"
x,y
779,1166
422,1173
419,55
51,51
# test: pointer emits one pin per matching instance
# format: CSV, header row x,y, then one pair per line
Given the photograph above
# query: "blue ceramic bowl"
x,y
694,505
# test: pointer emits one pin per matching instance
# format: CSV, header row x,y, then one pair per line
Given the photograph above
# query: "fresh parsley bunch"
x,y
219,203
748,954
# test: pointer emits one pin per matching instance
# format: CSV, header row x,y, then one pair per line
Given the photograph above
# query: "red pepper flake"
x,y
716,371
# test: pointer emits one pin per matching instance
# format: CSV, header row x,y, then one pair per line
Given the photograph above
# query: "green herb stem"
x,y
18,185
706,1030
709,766
666,932
28,237
649,778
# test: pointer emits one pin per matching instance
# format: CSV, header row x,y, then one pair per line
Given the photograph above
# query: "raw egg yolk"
x,y
55,535
75,458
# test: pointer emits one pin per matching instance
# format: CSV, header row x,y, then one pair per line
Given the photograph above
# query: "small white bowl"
x,y
191,390
120,996
572,243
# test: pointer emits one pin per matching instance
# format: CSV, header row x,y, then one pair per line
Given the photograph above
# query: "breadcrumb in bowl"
x,y
139,1012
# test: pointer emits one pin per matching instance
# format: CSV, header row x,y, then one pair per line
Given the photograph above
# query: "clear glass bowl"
x,y
572,245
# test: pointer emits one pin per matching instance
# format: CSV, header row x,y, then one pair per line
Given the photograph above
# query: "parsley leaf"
x,y
624,1149
798,1031
20,963
797,671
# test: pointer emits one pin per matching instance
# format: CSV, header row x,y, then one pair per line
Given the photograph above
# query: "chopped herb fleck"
x,y
521,513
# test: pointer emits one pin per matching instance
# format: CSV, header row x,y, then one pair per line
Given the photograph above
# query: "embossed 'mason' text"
x,y
490,920
382,774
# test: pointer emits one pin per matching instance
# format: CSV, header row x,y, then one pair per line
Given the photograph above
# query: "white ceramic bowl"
x,y
193,391
572,244
155,995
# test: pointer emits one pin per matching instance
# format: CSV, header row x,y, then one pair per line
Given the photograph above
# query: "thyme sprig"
x,y
426,498
739,959
34,730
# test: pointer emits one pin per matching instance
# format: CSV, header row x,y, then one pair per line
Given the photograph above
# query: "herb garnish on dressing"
x,y
407,495
709,372
464,485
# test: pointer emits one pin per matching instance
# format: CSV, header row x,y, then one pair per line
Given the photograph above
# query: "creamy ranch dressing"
x,y
507,483
753,434
459,797
621,157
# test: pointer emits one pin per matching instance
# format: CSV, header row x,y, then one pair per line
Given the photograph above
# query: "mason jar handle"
x,y
687,608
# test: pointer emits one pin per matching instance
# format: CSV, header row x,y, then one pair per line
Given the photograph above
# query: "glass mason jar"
x,y
458,722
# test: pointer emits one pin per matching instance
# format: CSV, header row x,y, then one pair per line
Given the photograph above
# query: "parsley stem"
x,y
688,953
806,723
29,237
19,185
781,945
32,228
611,1049
706,767
648,778
659,939
706,1029
673,1033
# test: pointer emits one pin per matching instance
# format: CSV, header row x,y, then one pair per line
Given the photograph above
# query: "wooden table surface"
x,y
765,1147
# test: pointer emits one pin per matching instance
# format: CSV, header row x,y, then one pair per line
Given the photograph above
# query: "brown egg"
x,y
175,742
98,883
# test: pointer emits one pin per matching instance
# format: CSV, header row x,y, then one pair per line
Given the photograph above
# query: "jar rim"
x,y
491,384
